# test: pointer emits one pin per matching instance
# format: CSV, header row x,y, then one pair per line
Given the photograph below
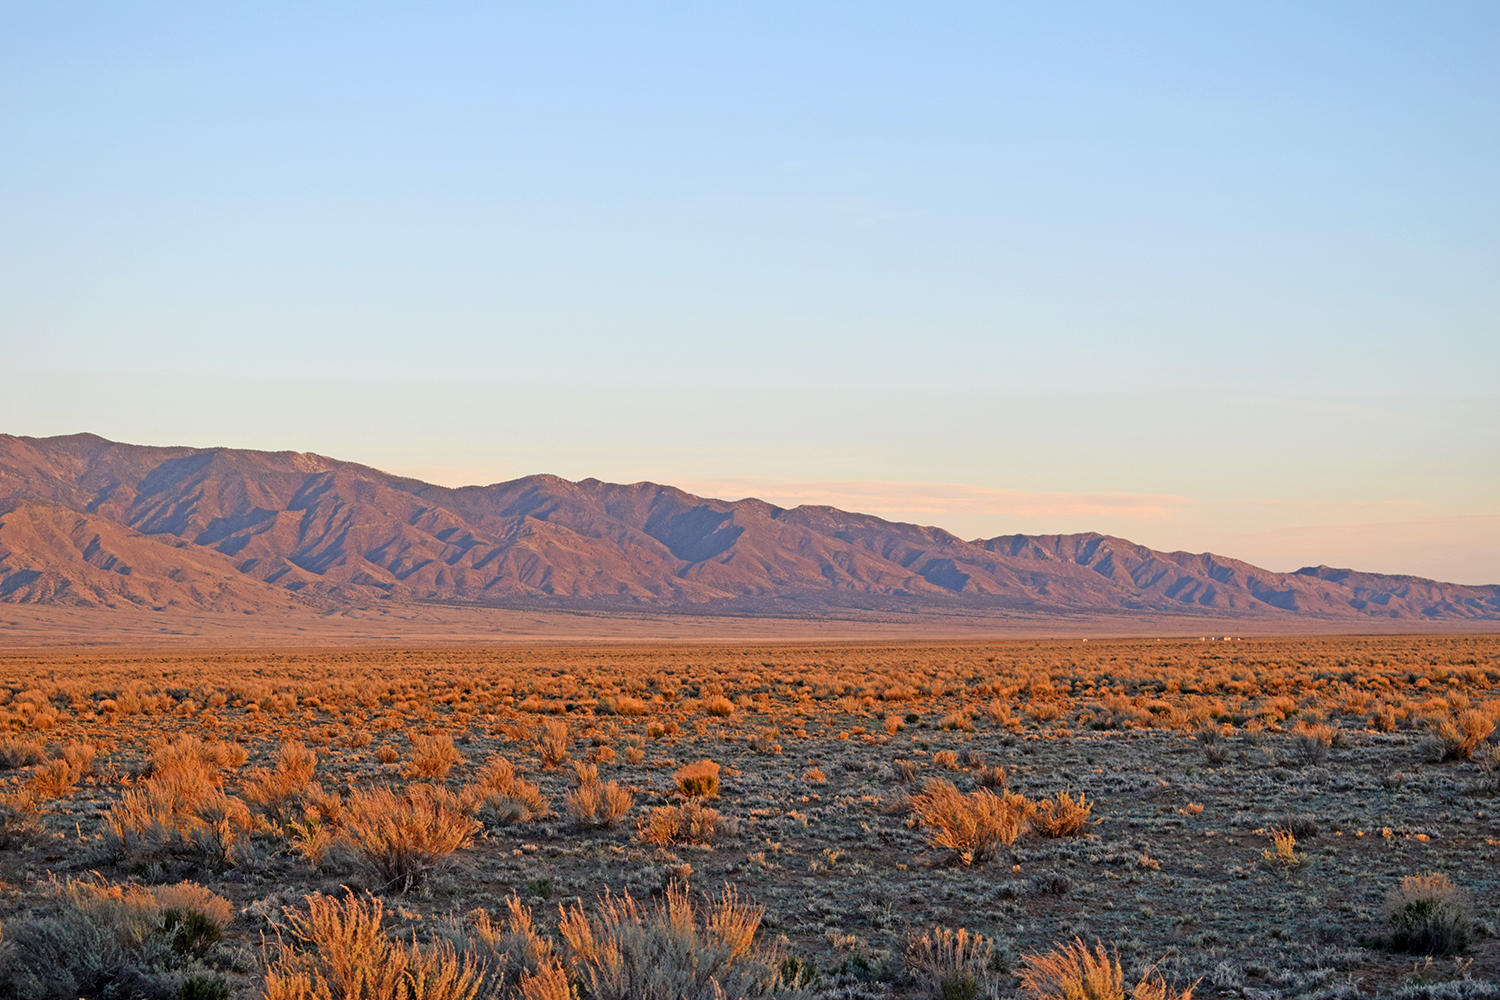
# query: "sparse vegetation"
x,y
271,776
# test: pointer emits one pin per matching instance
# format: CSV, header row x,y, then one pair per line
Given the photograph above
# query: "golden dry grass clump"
x,y
404,835
992,776
1458,735
181,807
1074,972
597,803
624,951
432,757
952,962
337,949
51,781
622,705
499,795
972,825
1064,815
189,751
552,743
690,823
276,791
17,752
515,959
1283,850
700,779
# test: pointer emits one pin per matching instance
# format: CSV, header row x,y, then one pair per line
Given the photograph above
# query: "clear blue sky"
x,y
1211,276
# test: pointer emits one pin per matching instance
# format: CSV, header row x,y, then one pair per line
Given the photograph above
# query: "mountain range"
x,y
92,523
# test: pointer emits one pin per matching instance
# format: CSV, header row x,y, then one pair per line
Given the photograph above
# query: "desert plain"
x,y
1247,817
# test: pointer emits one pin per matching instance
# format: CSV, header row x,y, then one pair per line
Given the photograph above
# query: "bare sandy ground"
x,y
23,626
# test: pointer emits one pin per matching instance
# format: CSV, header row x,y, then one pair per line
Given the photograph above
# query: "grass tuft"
x,y
973,825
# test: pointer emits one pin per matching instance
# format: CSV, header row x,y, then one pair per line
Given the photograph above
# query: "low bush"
x,y
992,776
1457,736
16,752
622,705
53,780
1489,768
275,792
597,803
1312,742
699,779
1428,915
95,939
189,752
180,810
513,957
19,823
552,743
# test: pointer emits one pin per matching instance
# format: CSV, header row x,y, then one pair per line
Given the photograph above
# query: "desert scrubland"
x,y
1248,818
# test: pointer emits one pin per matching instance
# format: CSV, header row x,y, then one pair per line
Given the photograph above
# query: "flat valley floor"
x,y
1242,814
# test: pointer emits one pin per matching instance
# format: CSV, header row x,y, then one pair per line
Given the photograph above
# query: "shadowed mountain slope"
x,y
85,521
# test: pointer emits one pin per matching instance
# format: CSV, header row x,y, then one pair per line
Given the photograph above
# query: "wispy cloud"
x,y
943,499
